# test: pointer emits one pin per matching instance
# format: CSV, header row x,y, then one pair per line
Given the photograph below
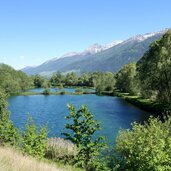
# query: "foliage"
x,y
8,133
34,141
57,79
104,82
101,81
154,70
126,80
84,127
12,80
46,91
146,147
62,91
71,79
40,81
78,90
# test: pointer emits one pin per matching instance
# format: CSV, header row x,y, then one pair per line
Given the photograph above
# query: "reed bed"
x,y
59,149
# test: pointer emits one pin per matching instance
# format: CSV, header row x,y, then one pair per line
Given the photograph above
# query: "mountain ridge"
x,y
96,57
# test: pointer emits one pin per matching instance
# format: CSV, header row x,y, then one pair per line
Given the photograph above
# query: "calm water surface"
x,y
113,112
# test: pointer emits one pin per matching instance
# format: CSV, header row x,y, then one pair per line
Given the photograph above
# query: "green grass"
x,y
145,104
51,93
25,93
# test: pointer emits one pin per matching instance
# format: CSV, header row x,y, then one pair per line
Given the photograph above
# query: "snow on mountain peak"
x,y
112,44
143,37
70,54
94,48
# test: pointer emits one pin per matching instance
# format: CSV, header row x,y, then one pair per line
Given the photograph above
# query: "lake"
x,y
113,112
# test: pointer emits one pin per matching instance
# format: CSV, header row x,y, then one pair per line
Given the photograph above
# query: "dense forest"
x,y
12,80
145,147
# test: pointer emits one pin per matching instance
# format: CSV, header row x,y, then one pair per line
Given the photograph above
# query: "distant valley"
x,y
110,57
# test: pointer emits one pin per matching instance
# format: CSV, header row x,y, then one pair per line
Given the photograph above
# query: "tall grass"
x,y
13,160
59,149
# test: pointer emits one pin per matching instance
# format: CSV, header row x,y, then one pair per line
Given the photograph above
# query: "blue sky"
x,y
33,31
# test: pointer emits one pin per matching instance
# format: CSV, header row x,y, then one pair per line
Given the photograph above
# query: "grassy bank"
x,y
51,93
145,104
13,160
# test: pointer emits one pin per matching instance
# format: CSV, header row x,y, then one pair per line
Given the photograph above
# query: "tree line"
x,y
12,80
150,77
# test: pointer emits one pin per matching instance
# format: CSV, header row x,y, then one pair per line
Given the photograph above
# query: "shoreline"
x,y
51,93
144,104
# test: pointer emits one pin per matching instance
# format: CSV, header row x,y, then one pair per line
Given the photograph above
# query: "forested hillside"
x,y
12,80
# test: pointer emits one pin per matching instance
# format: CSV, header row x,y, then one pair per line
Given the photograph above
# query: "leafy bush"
x,y
84,127
61,86
59,149
8,133
62,92
78,90
146,147
34,141
46,91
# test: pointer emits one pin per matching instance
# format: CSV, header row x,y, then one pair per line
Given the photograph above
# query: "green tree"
x,y
84,127
8,133
71,79
34,141
46,91
146,147
57,79
12,81
103,81
154,70
39,81
109,81
126,79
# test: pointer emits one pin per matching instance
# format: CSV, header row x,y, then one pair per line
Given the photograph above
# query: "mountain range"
x,y
110,57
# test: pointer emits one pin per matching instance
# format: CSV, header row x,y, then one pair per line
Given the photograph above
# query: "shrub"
x,y
46,91
8,133
83,127
34,141
61,86
146,147
62,92
78,90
